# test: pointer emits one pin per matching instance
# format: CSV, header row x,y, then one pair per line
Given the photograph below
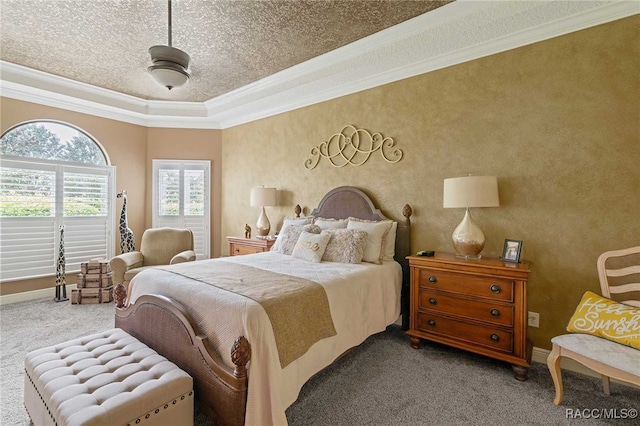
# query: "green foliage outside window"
x,y
31,193
43,140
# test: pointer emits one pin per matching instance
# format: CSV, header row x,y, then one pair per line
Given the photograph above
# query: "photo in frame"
x,y
511,251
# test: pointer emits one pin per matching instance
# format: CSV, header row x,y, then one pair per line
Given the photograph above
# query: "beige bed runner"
x,y
297,308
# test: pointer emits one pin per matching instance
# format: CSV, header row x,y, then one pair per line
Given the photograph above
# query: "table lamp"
x,y
261,197
467,192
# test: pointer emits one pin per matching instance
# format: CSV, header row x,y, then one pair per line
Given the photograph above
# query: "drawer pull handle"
x,y
237,250
495,289
433,301
495,338
432,323
495,313
433,279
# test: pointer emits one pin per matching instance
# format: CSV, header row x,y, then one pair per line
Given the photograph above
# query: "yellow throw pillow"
x,y
608,319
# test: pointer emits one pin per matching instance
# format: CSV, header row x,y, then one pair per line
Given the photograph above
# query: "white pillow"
x,y
289,237
310,246
376,235
277,246
330,223
390,243
345,245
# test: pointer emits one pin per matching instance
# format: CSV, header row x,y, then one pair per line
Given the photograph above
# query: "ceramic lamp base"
x,y
263,224
468,239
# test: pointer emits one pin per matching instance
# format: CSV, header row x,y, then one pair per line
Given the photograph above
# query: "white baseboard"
x,y
35,294
540,355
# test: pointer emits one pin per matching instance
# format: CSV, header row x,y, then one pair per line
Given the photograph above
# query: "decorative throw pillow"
x,y
376,235
608,319
345,245
287,222
310,246
330,223
289,237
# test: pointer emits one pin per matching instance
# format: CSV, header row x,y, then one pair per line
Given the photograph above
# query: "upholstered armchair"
x,y
159,246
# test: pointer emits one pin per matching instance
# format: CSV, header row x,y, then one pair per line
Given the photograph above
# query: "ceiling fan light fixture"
x,y
169,63
169,66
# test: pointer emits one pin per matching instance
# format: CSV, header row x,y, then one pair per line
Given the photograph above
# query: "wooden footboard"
x,y
164,325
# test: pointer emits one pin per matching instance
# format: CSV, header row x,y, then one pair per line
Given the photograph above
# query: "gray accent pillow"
x,y
288,238
288,221
345,245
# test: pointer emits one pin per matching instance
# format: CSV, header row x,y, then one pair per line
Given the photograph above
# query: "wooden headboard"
x,y
347,201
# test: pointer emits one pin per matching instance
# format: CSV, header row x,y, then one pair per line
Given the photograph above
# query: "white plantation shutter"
x,y
181,199
87,232
49,194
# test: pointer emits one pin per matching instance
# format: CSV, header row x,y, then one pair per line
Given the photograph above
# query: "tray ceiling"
x,y
253,59
231,43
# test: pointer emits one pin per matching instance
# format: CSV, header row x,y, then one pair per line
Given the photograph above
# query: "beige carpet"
x,y
382,382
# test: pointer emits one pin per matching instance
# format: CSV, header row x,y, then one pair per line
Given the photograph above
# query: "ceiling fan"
x,y
169,63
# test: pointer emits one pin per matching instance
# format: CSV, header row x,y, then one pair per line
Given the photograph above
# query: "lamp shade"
x,y
471,191
261,197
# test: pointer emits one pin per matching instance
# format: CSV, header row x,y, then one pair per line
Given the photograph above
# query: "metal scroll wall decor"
x,y
353,146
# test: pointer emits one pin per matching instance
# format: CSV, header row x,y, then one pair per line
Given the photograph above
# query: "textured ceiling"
x,y
231,42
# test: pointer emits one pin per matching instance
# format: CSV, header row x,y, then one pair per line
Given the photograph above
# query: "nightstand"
x,y
239,245
476,305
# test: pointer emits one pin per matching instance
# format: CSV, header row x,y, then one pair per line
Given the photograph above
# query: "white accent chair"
x,y
608,358
159,246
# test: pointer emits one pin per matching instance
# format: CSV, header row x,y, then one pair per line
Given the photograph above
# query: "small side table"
x,y
239,246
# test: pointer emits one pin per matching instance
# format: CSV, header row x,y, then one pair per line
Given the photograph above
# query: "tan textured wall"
x,y
188,144
558,122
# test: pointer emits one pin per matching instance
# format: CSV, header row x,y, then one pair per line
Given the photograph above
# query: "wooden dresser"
x,y
476,305
239,245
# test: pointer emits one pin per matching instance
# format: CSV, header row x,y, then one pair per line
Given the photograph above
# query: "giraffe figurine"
x,y
61,281
127,242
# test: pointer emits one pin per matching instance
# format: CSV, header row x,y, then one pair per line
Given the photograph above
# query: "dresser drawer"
x,y
482,310
487,336
470,285
237,250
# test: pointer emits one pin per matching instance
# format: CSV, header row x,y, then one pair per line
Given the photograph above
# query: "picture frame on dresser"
x,y
511,250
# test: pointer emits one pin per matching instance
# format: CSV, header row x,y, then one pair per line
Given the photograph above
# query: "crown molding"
x,y
29,85
455,33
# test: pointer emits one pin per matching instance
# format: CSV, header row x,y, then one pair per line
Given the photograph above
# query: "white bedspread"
x,y
364,299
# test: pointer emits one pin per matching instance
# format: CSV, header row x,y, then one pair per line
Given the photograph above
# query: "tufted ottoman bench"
x,y
108,378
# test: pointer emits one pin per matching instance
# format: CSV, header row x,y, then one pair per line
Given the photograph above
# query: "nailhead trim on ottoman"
x,y
108,378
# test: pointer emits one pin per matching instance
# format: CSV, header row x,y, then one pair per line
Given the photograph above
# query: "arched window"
x,y
52,174
51,140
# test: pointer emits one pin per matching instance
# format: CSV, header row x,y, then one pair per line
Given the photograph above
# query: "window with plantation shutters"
x,y
52,174
181,197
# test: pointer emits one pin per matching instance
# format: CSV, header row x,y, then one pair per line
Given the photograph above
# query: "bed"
x,y
231,345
